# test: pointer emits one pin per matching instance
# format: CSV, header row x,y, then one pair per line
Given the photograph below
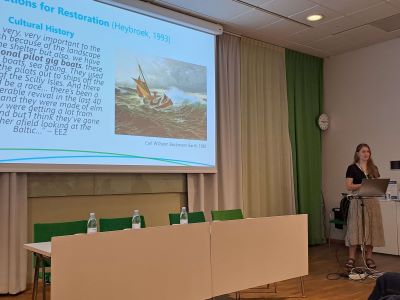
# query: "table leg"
x,y
303,294
44,278
36,277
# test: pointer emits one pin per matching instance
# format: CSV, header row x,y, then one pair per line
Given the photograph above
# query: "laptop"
x,y
373,187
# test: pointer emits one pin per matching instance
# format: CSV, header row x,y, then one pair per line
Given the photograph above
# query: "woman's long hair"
x,y
372,169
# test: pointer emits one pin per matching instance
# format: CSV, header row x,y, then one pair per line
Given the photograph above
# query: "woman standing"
x,y
363,167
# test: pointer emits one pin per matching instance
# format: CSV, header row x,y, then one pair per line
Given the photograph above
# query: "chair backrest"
x,y
43,232
224,215
119,223
193,217
337,218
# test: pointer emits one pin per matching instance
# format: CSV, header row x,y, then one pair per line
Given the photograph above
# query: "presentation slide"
x,y
87,83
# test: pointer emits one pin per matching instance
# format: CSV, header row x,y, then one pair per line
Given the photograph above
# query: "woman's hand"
x,y
351,186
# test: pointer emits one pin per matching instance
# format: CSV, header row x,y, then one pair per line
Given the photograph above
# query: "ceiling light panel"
x,y
327,14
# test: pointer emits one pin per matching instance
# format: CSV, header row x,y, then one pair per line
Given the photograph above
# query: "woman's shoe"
x,y
370,263
350,264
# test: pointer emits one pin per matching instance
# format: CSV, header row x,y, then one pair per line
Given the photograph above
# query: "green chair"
x,y
193,217
119,224
225,215
43,232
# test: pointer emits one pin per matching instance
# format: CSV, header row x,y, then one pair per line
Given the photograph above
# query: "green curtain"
x,y
304,76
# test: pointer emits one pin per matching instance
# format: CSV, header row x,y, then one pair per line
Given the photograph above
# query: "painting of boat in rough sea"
x,y
160,97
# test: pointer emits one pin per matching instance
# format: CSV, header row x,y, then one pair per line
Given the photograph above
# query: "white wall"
x,y
362,98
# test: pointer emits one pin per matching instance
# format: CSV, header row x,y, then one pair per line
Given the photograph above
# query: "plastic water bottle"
x,y
183,218
92,224
136,219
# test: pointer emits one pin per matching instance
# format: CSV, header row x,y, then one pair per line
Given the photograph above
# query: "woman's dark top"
x,y
353,171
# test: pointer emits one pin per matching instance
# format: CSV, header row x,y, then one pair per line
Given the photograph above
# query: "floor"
x,y
323,261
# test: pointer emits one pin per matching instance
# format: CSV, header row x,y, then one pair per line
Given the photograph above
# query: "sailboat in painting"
x,y
154,100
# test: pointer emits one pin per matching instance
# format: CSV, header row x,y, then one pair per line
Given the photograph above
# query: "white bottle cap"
x,y
183,208
92,214
136,211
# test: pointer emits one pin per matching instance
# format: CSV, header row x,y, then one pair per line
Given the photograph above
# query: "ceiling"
x,y
347,25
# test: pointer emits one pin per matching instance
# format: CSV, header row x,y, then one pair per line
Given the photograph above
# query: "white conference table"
x,y
209,259
150,263
42,253
258,251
